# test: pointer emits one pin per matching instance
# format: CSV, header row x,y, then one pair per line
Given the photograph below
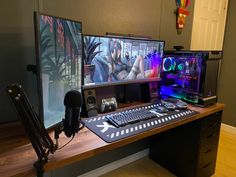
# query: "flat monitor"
x,y
59,63
110,60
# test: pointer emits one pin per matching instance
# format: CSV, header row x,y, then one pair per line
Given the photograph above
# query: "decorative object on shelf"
x,y
181,14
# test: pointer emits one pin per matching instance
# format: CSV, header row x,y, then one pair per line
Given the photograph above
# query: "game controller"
x,y
108,104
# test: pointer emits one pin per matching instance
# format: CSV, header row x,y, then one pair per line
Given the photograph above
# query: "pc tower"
x,y
191,76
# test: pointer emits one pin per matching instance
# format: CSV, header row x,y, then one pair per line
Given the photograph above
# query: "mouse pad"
x,y
109,133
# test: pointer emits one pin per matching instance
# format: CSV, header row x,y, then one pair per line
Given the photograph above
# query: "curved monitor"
x,y
59,63
119,60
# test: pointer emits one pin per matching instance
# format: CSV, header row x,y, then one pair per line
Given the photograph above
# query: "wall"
x,y
16,51
167,28
154,18
101,16
227,84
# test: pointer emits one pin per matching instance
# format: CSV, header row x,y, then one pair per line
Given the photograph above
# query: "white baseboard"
x,y
116,164
228,128
227,125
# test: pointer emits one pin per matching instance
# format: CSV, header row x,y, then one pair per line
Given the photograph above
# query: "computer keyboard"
x,y
130,116
135,115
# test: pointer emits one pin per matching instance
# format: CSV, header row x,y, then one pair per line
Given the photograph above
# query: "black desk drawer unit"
x,y
209,137
189,150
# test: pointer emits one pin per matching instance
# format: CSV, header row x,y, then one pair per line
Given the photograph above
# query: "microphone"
x,y
73,102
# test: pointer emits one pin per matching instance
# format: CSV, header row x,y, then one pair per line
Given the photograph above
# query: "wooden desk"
x,y
17,155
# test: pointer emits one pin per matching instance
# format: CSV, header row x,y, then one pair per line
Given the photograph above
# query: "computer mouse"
x,y
169,105
181,105
161,109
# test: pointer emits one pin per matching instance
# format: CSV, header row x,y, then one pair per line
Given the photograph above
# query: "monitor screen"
x,y
59,61
116,60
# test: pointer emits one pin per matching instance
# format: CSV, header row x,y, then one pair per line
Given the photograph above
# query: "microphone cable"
x,y
59,148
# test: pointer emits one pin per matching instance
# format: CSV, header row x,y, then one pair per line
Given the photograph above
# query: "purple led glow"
x,y
155,59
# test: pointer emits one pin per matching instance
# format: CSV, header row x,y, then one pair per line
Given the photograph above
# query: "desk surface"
x,y
17,155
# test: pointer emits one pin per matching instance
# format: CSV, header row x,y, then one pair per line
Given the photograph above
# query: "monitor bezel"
x,y
122,82
38,63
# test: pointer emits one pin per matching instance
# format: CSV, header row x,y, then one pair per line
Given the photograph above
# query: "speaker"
x,y
149,92
90,103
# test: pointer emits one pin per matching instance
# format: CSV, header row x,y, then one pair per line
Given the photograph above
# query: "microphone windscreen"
x,y
73,99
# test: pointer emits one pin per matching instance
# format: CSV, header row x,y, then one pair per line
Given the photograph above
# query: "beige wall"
x,y
168,30
227,87
140,17
154,18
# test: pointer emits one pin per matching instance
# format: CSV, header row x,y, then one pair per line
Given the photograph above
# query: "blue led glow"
x,y
169,64
168,91
180,67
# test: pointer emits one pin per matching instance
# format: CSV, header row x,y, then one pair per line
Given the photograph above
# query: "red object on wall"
x,y
181,14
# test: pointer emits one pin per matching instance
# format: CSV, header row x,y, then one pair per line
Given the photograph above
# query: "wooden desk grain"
x,y
17,155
